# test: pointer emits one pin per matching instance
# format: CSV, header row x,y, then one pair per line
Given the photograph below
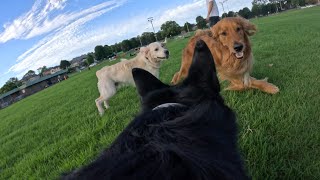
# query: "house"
x,y
75,64
55,69
30,87
30,77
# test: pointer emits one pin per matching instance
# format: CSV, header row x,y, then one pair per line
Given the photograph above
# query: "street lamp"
x,y
140,41
150,19
224,1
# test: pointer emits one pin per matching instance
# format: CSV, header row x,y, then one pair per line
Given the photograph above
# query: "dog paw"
x,y
173,82
273,90
101,114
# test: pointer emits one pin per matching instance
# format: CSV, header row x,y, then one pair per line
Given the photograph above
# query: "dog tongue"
x,y
239,55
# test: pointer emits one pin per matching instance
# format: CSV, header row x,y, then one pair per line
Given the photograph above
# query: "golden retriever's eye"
x,y
238,29
156,49
224,33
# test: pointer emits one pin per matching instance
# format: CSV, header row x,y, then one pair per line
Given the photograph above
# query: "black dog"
x,y
183,132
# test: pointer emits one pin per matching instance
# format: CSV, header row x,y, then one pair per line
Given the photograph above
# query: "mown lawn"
x,y
59,128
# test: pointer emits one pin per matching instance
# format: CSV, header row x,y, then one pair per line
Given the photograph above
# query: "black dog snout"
x,y
166,52
238,47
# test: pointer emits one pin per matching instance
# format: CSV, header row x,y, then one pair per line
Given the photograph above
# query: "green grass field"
x,y
59,129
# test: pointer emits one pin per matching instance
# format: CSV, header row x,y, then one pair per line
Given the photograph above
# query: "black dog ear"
x,y
202,72
146,82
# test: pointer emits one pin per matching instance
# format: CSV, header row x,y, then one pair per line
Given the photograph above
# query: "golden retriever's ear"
x,y
144,50
215,31
248,27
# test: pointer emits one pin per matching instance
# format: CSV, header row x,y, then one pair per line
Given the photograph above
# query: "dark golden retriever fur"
x,y
230,46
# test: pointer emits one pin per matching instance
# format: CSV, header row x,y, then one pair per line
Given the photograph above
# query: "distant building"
x,y
30,87
55,69
51,70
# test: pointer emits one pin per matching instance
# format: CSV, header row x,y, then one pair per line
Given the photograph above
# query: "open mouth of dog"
x,y
239,55
165,57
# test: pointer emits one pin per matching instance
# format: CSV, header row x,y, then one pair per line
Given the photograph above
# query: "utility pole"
x,y
222,5
187,27
140,41
150,19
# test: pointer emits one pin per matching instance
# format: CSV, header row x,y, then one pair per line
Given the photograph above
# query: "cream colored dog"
x,y
109,77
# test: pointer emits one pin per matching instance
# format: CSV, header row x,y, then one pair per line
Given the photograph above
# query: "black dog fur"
x,y
195,141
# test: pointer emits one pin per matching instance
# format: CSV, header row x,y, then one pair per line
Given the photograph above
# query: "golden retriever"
x,y
109,77
229,44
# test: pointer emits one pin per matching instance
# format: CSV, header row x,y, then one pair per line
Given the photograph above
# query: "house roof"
x,y
30,83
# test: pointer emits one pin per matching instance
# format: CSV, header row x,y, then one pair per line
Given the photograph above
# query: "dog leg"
x,y
175,78
106,104
179,75
222,77
235,87
263,85
107,89
99,105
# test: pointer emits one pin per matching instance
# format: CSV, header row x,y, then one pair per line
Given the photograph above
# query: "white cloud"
x,y
184,13
64,19
21,26
59,45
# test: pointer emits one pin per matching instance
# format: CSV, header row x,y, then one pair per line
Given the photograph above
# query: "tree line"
x,y
266,7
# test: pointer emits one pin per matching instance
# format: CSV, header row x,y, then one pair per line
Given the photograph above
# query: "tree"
x,y
89,59
259,2
41,70
30,73
64,64
224,15
298,2
312,1
187,27
201,22
107,50
147,38
126,45
134,42
256,10
99,52
117,47
264,10
272,8
170,28
11,84
245,12
159,35
231,14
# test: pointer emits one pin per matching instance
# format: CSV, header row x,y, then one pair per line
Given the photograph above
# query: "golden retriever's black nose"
x,y
166,52
238,47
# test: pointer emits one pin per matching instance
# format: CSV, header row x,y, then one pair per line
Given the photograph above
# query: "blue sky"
x,y
34,33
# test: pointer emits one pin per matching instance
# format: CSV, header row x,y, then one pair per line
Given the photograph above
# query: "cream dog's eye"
x,y
156,49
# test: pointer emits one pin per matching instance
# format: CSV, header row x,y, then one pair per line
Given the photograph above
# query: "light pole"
x,y
222,5
187,26
150,19
140,41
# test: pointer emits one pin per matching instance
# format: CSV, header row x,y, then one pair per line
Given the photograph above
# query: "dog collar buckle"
x,y
167,105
